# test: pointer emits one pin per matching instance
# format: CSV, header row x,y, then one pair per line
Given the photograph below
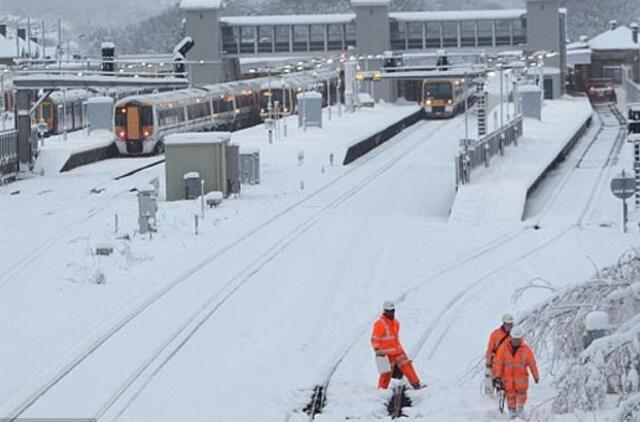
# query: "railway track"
x,y
612,118
172,344
96,207
612,148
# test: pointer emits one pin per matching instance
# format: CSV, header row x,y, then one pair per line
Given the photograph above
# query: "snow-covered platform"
x,y
57,155
499,193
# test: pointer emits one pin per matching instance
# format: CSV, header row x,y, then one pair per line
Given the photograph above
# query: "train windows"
x,y
468,33
171,116
282,38
438,90
121,116
47,111
503,32
485,33
433,34
450,31
146,113
335,37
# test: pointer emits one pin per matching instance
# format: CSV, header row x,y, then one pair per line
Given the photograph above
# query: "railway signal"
x,y
623,187
633,127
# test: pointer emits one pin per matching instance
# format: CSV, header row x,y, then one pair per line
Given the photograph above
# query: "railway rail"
x,y
132,386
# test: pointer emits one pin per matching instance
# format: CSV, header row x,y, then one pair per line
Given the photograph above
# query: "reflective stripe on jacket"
x,y
384,337
513,368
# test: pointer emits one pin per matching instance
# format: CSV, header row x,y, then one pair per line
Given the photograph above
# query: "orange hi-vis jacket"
x,y
513,368
498,338
385,336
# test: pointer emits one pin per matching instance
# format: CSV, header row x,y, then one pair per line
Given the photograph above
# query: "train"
x,y
445,97
142,122
63,111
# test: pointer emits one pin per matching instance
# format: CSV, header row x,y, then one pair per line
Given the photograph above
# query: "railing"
x,y
632,88
8,153
478,153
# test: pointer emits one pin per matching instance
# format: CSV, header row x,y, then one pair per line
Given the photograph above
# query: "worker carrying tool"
x,y
389,352
511,367
498,337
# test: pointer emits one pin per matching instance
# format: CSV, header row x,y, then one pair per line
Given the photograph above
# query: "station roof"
x,y
458,15
201,4
288,19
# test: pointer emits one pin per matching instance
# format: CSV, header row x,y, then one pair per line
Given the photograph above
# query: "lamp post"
x,y
501,95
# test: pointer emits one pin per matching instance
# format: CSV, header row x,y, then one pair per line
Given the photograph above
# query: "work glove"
x,y
379,353
497,383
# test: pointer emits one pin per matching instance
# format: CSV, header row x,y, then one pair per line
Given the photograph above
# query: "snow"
x,y
597,320
458,15
281,285
200,4
617,39
198,138
100,100
370,2
578,57
55,151
499,192
288,19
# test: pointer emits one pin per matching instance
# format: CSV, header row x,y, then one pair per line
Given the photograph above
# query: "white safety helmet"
x,y
388,306
517,333
507,319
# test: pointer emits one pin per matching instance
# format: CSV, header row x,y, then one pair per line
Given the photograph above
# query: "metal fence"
x,y
8,153
478,153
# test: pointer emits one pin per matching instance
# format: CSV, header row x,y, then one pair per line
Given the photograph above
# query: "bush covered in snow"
x,y
609,365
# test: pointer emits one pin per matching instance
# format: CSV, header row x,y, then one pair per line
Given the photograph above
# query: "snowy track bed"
x,y
72,376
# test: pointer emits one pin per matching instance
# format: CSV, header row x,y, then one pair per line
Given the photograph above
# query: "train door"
x,y
133,122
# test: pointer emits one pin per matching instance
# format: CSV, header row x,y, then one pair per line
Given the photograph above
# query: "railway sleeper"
x,y
398,401
317,402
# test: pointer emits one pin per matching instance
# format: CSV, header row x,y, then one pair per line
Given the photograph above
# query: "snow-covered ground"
x,y
279,290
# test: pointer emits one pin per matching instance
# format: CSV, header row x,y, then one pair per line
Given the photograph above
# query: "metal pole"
x,y
43,39
29,37
4,101
466,106
64,112
202,198
59,48
18,39
501,97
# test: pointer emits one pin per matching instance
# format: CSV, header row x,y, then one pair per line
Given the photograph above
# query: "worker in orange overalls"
x,y
498,337
386,342
511,367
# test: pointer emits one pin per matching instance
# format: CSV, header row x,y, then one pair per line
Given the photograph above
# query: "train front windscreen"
x,y
275,95
438,91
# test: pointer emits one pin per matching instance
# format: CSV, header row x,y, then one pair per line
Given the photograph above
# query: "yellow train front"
x,y
443,97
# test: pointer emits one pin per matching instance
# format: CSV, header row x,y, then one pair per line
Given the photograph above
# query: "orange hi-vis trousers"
x,y
405,365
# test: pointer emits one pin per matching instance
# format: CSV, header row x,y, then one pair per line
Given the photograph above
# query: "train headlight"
x,y
450,101
146,134
122,134
428,102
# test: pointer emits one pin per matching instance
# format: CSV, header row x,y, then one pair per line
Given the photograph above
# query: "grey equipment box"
x,y
233,168
204,153
250,166
309,108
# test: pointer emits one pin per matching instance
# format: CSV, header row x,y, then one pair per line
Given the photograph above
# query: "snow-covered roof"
x,y
8,47
617,39
578,56
370,2
197,138
458,15
200,4
288,19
